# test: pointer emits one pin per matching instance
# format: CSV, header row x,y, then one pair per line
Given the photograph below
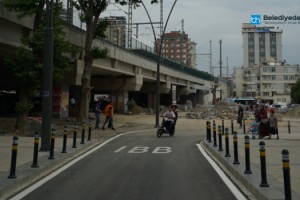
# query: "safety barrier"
x,y
14,149
262,156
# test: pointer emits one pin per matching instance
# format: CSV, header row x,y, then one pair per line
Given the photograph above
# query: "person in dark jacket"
x,y
240,116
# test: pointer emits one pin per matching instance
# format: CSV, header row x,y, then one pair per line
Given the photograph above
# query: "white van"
x,y
280,105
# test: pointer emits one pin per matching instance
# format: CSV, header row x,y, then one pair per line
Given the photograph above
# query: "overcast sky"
x,y
206,20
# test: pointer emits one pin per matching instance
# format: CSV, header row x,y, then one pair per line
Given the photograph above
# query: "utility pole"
x,y
210,58
129,24
47,79
220,66
227,69
181,41
220,41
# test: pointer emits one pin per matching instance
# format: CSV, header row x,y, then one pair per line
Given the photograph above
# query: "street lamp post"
x,y
158,68
47,79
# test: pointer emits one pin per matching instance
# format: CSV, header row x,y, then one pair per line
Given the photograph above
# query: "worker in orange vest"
x,y
109,112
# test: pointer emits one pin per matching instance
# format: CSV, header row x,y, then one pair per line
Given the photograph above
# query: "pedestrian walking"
x,y
109,112
240,116
97,113
264,125
273,125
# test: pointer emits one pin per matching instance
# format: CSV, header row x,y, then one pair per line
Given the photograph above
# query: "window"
x,y
273,69
273,77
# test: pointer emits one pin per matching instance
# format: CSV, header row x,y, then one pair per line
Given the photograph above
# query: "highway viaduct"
x,y
122,75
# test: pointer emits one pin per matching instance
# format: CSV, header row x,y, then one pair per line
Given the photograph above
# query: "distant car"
x,y
280,105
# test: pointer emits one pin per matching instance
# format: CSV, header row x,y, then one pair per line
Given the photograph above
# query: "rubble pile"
x,y
218,111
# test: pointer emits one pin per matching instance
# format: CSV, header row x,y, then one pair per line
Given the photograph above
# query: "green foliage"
x,y
101,27
23,7
131,104
295,92
91,9
24,68
28,61
99,53
134,2
23,108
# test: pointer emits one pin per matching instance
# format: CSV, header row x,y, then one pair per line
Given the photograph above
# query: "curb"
x,y
243,182
32,175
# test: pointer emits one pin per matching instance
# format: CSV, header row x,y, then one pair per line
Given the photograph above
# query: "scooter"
x,y
164,130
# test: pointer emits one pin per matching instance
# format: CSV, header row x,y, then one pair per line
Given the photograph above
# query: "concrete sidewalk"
x,y
273,155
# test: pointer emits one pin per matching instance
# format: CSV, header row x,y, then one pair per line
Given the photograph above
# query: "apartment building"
x,y
116,31
178,46
271,80
261,43
265,75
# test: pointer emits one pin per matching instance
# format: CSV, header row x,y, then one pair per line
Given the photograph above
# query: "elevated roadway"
x,y
121,73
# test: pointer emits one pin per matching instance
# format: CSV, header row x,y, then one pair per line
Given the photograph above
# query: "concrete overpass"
x,y
118,75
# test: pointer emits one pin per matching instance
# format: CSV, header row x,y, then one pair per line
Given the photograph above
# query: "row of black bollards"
x,y
264,182
13,164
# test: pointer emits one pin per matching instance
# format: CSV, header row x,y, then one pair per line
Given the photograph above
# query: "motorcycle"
x,y
164,130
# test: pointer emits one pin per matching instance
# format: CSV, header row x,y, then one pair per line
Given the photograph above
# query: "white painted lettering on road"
x,y
162,150
139,149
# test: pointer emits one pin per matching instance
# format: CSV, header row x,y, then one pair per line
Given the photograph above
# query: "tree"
x,y
295,92
91,11
27,64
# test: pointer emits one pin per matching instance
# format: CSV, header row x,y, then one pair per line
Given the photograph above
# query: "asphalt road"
x,y
139,166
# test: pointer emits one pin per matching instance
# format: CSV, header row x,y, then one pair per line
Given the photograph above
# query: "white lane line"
x,y
235,191
60,170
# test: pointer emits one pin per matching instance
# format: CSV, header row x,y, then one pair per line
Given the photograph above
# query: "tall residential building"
x,y
264,75
116,31
261,44
178,47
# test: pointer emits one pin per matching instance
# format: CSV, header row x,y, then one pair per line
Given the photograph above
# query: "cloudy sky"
x,y
206,20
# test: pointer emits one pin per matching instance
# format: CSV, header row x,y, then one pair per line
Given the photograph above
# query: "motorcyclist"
x,y
169,117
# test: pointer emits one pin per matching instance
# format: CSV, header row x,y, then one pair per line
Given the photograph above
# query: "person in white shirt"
x,y
169,118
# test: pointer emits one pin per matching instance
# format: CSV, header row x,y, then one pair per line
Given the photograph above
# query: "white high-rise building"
x,y
261,44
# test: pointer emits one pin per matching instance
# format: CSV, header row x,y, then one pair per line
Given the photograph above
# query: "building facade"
x,y
116,31
178,46
269,81
261,44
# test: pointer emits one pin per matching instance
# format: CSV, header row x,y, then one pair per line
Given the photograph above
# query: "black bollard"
x,y
232,129
223,128
286,174
247,155
90,131
64,149
215,133
289,127
235,148
227,154
220,138
74,136
52,143
82,133
209,132
263,166
35,151
207,127
13,163
244,126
